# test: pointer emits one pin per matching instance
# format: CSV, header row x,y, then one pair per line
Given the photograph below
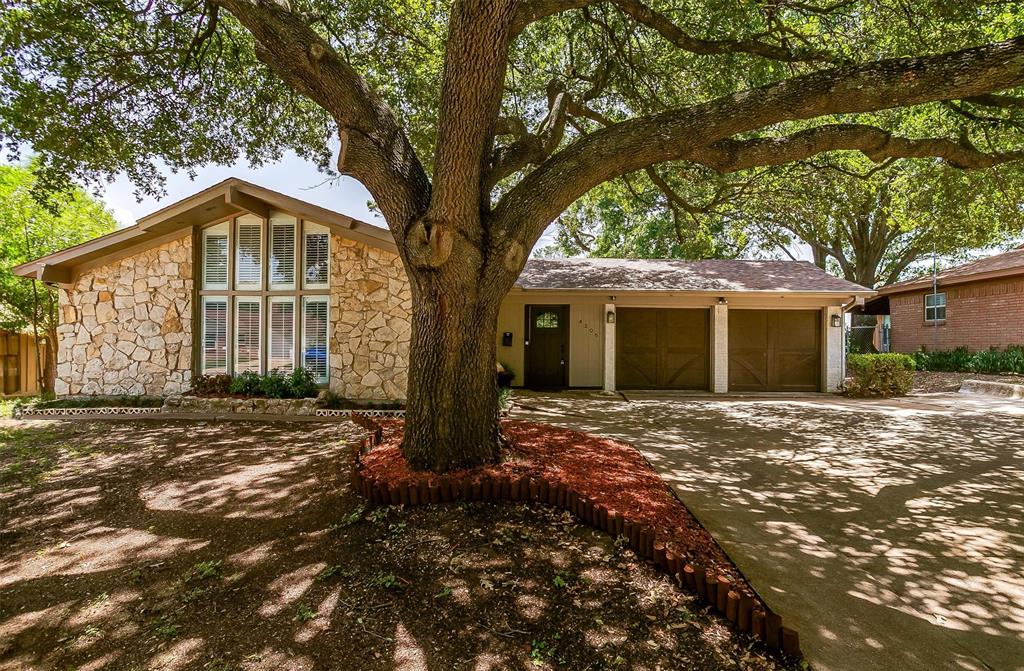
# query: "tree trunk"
x,y
451,418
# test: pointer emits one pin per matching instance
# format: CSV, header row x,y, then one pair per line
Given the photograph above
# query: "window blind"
x,y
282,255
314,337
317,256
215,260
215,332
247,335
282,334
248,246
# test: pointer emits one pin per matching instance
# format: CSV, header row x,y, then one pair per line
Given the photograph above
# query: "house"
x,y
20,357
976,305
241,278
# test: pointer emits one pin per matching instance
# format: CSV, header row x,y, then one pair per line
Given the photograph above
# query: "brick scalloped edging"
x,y
746,612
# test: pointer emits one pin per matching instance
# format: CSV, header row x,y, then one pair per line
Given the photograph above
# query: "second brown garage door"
x,y
774,350
660,348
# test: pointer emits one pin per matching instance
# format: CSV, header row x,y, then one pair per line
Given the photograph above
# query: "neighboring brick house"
x,y
976,305
241,278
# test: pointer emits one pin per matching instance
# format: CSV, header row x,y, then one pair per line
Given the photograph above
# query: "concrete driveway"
x,y
890,534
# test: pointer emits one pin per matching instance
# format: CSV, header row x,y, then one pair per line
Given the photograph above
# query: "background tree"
x,y
475,123
866,223
30,229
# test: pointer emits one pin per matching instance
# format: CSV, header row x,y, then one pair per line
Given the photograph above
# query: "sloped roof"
x,y
670,275
228,198
1000,265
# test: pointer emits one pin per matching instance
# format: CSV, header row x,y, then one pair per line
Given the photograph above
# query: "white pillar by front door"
x,y
609,347
720,348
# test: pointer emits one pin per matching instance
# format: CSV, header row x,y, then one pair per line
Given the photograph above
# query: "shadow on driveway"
x,y
889,533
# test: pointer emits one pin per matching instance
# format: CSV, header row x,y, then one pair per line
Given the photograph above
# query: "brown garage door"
x,y
774,350
660,348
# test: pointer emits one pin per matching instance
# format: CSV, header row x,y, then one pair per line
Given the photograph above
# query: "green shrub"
x,y
960,360
248,383
301,384
274,385
880,375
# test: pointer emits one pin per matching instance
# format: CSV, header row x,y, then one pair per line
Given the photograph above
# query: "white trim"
x,y
249,221
258,302
307,300
203,369
278,220
221,230
308,229
290,300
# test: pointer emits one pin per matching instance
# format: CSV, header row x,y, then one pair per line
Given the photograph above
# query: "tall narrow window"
x,y
316,248
215,257
215,335
249,251
314,336
282,333
282,252
247,335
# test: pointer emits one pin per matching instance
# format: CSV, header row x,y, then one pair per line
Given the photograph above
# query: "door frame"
x,y
566,312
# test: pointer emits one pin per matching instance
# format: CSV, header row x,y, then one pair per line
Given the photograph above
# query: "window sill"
x,y
935,322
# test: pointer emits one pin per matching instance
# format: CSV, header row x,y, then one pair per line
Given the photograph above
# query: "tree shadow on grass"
x,y
240,546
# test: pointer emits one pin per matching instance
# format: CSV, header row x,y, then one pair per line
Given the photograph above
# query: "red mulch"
x,y
606,471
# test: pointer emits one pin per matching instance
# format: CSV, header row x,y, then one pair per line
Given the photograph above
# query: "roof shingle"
x,y
673,275
1007,263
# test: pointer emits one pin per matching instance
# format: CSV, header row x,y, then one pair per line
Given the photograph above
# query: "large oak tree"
x,y
475,123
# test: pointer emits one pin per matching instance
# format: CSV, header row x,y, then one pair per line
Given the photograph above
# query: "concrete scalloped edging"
x,y
71,412
746,612
992,388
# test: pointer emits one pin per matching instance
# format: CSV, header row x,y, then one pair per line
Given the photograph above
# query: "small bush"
x,y
301,384
274,385
880,375
247,383
211,385
960,360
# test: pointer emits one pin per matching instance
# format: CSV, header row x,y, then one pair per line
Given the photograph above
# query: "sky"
x,y
291,176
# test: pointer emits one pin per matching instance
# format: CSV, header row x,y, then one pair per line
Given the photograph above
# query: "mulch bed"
x,y
605,483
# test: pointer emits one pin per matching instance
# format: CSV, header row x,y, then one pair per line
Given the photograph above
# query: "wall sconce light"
x,y
836,321
721,300
609,317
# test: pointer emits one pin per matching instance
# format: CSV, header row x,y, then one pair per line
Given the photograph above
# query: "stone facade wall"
x,y
979,315
371,308
126,327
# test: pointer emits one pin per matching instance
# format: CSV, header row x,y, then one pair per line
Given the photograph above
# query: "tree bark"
x,y
451,418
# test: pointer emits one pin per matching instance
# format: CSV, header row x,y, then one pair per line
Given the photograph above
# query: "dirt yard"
x,y
197,545
932,382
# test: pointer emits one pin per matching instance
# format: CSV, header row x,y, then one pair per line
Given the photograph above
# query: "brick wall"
x,y
979,315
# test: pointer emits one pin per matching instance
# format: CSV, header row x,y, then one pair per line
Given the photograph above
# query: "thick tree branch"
x,y
376,150
875,143
644,15
625,147
536,10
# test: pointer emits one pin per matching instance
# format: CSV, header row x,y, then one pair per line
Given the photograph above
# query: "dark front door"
x,y
774,350
547,346
661,348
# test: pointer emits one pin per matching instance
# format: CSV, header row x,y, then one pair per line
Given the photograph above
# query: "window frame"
x,y
259,303
280,219
325,300
222,229
203,369
287,300
267,293
934,308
